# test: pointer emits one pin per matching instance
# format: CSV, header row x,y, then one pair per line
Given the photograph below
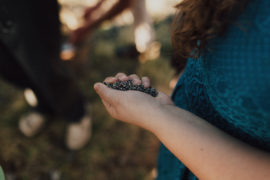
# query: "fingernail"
x,y
136,81
124,78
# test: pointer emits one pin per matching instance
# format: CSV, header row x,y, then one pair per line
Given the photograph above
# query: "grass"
x,y
117,151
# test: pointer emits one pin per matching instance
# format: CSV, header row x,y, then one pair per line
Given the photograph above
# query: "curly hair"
x,y
198,21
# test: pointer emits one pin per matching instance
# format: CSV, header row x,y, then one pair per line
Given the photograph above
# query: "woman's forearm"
x,y
207,151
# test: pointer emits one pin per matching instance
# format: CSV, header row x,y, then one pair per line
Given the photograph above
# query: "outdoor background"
x,y
117,151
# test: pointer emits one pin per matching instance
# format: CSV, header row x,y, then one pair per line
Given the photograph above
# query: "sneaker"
x,y
79,133
31,124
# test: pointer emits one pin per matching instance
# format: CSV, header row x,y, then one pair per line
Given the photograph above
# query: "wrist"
x,y
155,118
165,117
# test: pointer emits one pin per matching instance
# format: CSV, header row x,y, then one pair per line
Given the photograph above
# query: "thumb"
x,y
105,93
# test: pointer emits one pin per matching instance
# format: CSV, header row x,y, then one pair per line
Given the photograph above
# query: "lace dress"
x,y
229,86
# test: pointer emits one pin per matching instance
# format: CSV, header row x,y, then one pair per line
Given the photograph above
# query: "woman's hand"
x,y
131,106
206,150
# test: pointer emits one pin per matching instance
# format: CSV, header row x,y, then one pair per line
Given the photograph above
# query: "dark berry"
x,y
128,85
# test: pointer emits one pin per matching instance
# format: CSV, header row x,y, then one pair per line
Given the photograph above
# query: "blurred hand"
x,y
89,11
130,106
79,34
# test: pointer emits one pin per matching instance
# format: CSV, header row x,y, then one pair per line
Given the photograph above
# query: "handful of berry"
x,y
128,85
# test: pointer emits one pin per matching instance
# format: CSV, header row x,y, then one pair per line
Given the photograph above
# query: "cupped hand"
x,y
130,106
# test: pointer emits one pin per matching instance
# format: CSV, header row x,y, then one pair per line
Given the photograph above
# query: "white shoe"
x,y
79,133
31,124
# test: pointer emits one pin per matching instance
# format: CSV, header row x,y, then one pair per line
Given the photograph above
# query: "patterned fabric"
x,y
229,86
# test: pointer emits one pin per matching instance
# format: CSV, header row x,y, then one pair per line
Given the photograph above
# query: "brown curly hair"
x,y
198,21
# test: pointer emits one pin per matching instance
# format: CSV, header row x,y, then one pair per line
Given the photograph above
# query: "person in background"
x,y
216,124
144,35
29,58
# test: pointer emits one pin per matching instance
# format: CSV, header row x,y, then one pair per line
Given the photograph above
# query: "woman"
x,y
217,126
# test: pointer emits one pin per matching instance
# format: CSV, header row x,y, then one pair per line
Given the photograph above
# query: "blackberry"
x,y
128,85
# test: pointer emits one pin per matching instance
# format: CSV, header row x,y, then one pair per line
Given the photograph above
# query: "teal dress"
x,y
229,86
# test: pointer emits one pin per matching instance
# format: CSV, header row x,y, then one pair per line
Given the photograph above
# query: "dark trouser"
x,y
29,56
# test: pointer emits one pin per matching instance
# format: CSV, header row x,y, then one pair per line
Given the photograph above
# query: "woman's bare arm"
x,y
207,151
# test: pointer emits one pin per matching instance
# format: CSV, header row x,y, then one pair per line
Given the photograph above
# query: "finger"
x,y
110,79
107,94
146,82
121,76
135,79
88,12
